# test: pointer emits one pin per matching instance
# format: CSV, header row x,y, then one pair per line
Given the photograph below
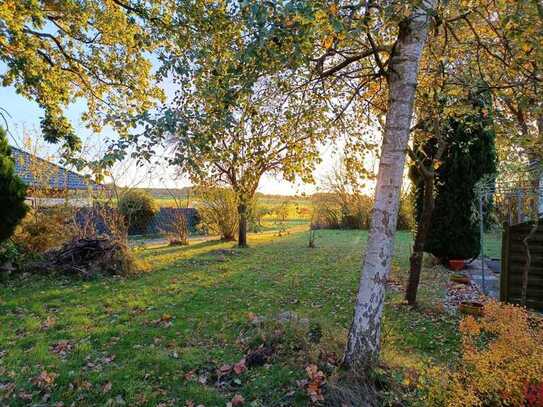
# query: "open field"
x,y
298,207
151,338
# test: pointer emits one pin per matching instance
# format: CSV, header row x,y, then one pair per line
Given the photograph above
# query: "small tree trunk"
x,y
242,237
364,340
539,182
415,261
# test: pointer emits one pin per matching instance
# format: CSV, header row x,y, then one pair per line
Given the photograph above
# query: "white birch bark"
x,y
364,339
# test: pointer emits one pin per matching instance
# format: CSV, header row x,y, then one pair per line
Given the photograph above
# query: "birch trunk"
x,y
363,343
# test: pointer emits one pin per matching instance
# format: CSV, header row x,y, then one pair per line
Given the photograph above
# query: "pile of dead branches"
x,y
89,258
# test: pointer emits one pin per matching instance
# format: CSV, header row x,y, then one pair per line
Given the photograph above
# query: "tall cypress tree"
x,y
470,155
12,191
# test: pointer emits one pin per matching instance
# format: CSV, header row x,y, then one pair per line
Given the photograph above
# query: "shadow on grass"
x,y
194,306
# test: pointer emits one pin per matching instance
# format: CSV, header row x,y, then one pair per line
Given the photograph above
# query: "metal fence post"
x,y
482,241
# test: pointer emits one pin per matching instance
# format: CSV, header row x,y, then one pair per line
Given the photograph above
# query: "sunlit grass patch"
x,y
143,334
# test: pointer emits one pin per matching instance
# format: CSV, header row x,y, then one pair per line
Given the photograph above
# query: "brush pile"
x,y
88,258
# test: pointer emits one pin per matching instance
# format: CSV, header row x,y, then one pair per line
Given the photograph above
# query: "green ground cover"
x,y
159,337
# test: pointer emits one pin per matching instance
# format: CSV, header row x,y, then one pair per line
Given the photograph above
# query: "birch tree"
x,y
470,34
363,343
375,56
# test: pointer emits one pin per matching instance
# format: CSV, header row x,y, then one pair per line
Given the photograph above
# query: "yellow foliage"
x,y
45,229
502,356
321,15
328,41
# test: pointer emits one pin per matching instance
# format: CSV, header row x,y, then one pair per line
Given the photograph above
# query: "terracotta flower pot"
x,y
471,308
456,264
459,278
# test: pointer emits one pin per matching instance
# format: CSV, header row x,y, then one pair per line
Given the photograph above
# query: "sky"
x,y
24,123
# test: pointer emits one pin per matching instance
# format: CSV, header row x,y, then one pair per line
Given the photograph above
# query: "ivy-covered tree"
x,y
469,156
12,191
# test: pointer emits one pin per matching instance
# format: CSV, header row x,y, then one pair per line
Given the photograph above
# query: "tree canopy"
x,y
58,52
240,106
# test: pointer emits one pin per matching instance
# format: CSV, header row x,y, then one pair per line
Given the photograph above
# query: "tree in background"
x,y
240,110
257,216
469,156
138,209
217,208
12,191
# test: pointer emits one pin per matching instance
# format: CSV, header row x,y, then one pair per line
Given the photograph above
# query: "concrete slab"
x,y
491,286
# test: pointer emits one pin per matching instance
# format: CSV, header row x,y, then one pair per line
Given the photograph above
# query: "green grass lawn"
x,y
156,337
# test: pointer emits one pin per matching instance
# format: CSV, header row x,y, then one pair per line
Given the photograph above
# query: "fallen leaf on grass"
x,y
25,396
240,367
224,370
106,387
237,400
330,358
189,375
44,379
48,323
108,359
164,321
62,348
314,392
314,385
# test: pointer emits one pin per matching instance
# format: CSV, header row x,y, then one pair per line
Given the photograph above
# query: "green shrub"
x,y
45,229
138,209
218,209
12,191
9,253
334,210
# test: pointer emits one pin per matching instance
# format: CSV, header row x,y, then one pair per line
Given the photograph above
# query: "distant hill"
x,y
165,193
